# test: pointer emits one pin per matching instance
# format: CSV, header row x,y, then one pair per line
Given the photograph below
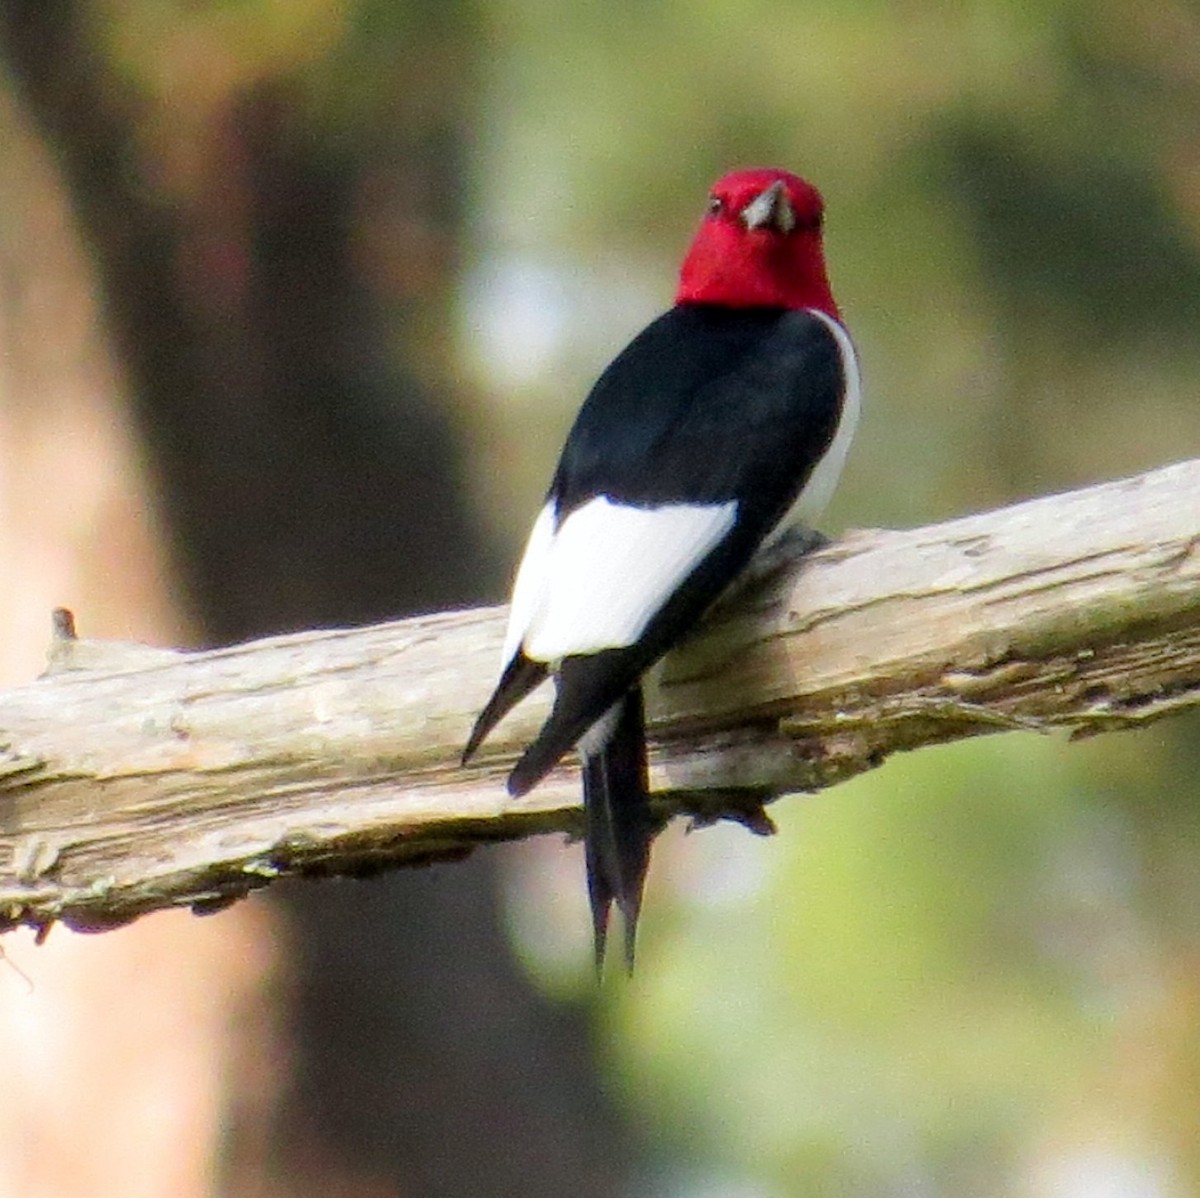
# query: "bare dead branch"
x,y
133,779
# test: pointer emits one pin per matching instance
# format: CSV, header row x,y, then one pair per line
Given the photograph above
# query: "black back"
x,y
706,405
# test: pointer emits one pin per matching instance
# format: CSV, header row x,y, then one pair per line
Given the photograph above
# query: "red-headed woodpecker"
x,y
727,413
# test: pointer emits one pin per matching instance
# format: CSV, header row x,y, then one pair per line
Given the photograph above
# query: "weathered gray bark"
x,y
133,779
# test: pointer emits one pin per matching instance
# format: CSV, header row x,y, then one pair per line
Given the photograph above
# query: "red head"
x,y
759,245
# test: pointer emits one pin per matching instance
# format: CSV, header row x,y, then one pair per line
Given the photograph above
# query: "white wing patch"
x,y
527,592
817,492
596,581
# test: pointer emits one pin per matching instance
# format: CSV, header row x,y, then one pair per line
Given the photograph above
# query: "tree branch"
x,y
133,779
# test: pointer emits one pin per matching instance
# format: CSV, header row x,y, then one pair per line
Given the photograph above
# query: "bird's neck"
x,y
756,280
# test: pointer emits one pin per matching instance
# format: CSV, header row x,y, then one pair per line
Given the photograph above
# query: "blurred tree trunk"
x,y
302,449
121,1056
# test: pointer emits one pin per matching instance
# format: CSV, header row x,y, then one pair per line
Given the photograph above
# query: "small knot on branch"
x,y
62,622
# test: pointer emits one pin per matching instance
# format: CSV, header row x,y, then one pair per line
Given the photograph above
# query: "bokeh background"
x,y
297,299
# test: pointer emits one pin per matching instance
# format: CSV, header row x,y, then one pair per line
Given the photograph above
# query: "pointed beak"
x,y
770,209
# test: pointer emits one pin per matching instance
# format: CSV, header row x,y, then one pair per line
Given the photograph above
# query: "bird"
x,y
724,421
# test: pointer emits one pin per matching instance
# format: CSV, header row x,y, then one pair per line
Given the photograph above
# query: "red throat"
x,y
740,267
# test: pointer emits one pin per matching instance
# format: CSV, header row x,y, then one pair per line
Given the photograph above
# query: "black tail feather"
x,y
519,678
619,828
587,687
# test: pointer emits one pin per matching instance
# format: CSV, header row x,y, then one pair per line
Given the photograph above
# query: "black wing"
x,y
706,406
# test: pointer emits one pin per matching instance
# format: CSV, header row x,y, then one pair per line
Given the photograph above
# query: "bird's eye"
x,y
716,205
